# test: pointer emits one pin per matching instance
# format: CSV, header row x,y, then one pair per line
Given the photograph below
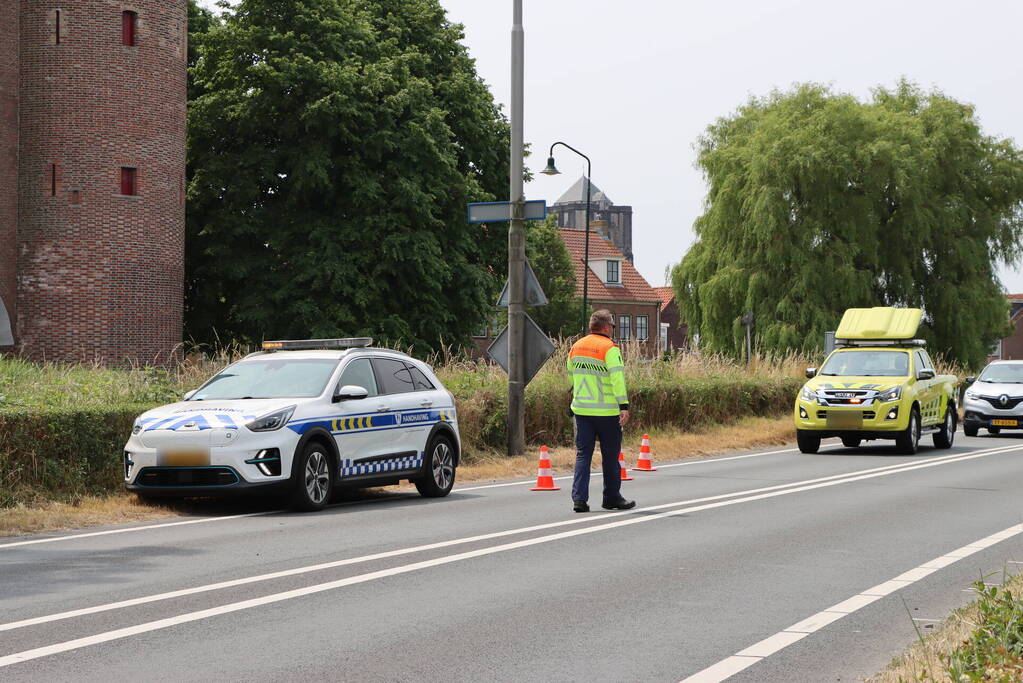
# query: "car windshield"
x,y
867,364
1002,373
269,378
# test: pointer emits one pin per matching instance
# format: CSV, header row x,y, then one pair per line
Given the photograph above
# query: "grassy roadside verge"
x,y
982,641
667,445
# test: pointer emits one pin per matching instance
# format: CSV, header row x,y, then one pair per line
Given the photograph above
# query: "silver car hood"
x,y
995,389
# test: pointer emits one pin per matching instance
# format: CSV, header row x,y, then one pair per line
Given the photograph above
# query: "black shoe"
x,y
580,506
620,505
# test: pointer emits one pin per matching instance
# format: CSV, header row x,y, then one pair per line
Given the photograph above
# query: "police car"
x,y
302,417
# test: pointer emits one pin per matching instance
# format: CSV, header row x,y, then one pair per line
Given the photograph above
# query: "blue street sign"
x,y
492,212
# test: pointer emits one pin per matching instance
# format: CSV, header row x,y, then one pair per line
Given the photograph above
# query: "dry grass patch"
x,y
50,516
923,661
666,445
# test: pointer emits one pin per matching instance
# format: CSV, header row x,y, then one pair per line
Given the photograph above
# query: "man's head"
x,y
601,322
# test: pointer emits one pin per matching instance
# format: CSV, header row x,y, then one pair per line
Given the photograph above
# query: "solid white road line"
x,y
743,659
459,541
10,626
48,650
108,532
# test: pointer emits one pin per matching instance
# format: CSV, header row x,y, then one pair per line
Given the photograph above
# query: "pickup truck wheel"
x,y
808,442
851,442
970,430
909,440
944,437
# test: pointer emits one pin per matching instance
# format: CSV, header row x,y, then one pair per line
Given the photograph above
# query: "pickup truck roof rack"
x,y
897,343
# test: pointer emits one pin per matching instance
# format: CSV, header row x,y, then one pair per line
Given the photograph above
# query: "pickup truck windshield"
x,y
867,364
269,378
1002,374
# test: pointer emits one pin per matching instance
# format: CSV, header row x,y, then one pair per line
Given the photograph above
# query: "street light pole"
x,y
552,170
516,250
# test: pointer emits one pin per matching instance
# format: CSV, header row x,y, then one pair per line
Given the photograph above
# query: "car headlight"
x,y
271,421
808,394
972,395
893,394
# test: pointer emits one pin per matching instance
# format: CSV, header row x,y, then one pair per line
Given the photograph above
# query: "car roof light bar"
x,y
316,344
846,343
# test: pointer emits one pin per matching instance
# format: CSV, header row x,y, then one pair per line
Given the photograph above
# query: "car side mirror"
x,y
811,373
925,374
350,392
971,380
189,394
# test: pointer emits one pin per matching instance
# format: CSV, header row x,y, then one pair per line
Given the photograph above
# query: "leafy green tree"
x,y
819,202
552,264
333,145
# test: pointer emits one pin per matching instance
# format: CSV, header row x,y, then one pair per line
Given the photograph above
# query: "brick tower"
x,y
98,263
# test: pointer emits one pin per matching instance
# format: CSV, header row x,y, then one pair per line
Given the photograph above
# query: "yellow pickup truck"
x,y
878,383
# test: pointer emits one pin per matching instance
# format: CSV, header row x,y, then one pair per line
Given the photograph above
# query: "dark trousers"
x,y
588,429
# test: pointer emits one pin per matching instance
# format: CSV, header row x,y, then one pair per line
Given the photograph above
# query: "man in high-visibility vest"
x,y
600,404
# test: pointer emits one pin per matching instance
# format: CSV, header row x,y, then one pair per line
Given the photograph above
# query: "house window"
x,y
642,327
129,180
625,327
128,21
56,26
53,180
664,337
613,276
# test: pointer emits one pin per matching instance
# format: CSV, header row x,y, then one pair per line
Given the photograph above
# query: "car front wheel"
x,y
438,469
970,430
909,440
808,442
314,480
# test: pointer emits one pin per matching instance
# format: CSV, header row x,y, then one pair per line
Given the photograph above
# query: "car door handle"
x,y
426,404
381,409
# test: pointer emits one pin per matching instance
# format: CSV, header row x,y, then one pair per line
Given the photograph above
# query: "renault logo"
x,y
1003,399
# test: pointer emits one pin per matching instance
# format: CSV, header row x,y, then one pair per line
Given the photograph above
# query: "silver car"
x,y
995,400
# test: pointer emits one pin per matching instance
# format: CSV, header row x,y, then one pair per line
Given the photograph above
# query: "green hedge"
x,y
65,453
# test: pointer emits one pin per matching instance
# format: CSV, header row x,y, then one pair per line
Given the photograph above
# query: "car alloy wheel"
x,y
443,465
317,477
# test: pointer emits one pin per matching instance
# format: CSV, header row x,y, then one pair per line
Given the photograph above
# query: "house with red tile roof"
x,y
615,284
673,331
1011,347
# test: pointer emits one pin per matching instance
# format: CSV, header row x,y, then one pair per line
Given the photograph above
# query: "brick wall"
x,y
8,156
619,308
677,331
100,275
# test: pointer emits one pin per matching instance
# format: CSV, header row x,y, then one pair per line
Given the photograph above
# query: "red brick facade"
x,y
99,275
8,161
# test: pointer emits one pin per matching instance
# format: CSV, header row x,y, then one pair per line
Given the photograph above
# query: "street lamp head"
x,y
551,168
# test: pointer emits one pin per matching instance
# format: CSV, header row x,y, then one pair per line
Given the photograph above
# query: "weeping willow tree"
x,y
819,202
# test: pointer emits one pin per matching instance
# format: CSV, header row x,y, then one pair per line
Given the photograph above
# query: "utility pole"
x,y
516,250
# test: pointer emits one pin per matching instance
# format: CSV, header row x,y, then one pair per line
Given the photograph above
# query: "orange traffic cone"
x,y
625,470
544,480
644,464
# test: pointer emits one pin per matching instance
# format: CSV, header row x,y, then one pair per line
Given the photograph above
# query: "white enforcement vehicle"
x,y
302,417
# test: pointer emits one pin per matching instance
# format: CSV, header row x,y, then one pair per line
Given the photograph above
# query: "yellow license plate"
x,y
1004,423
192,458
850,420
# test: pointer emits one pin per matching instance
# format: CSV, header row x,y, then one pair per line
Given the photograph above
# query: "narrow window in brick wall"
x,y
53,180
625,327
128,21
129,177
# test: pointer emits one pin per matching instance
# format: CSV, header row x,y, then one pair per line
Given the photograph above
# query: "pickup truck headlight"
x,y
271,421
893,394
808,394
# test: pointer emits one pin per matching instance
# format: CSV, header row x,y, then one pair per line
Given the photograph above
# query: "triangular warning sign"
x,y
531,290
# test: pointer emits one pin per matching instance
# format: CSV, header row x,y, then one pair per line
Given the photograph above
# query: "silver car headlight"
x,y
893,394
972,395
808,394
271,421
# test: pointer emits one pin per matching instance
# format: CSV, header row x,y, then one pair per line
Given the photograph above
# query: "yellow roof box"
x,y
879,323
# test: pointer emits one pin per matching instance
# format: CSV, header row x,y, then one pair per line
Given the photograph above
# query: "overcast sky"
x,y
633,84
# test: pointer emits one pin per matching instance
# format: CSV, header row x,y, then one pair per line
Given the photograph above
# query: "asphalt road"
x,y
771,566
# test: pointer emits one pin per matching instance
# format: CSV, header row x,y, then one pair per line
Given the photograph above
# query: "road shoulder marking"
x,y
757,652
